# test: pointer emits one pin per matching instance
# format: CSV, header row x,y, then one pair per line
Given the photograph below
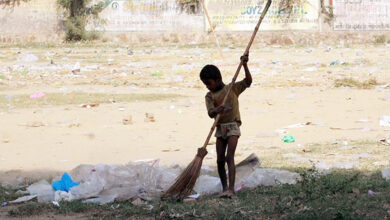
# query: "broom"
x,y
187,179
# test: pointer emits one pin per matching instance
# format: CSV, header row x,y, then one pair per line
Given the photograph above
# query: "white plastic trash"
x,y
386,174
43,190
384,121
208,185
271,177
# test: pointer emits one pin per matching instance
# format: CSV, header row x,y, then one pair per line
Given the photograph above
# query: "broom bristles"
x,y
186,181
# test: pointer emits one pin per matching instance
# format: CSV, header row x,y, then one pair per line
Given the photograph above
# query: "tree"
x,y
77,14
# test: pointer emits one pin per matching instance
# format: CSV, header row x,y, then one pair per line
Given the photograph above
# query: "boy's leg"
x,y
221,160
231,149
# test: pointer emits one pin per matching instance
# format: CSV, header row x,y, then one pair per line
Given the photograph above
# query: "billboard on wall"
x,y
242,15
147,15
361,14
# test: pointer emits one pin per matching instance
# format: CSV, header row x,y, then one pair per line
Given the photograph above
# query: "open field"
x,y
151,105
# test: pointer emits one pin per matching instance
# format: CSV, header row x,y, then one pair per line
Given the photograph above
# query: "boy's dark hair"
x,y
210,72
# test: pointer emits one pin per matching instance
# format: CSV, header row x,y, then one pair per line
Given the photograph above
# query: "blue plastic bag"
x,y
64,184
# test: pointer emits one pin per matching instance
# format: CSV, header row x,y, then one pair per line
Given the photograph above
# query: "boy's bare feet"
x,y
226,194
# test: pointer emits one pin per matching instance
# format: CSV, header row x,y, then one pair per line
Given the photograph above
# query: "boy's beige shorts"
x,y
226,130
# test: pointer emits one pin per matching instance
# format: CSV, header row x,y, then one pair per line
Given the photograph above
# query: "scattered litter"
x,y
310,69
121,109
386,174
76,68
346,147
291,96
288,139
325,168
144,181
156,74
363,121
208,185
271,177
194,196
138,202
23,199
55,203
28,58
384,121
363,155
43,190
370,192
380,163
337,62
300,125
246,167
37,95
385,141
4,204
65,183
280,131
382,87
297,157
110,61
89,105
149,117
266,134
128,120
35,124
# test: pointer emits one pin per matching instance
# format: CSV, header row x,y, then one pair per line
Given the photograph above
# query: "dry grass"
x,y
350,82
57,99
368,155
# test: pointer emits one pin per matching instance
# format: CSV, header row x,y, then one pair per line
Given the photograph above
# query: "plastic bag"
x,y
208,185
43,190
271,177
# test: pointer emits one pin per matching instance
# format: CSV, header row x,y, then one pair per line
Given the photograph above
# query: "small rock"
x,y
35,124
138,202
149,117
128,120
386,174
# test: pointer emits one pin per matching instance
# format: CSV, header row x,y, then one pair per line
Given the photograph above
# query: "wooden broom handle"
x,y
238,70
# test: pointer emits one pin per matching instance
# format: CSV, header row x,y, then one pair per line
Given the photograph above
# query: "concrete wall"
x,y
132,20
36,20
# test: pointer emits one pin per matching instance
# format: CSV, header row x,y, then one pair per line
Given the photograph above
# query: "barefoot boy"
x,y
228,126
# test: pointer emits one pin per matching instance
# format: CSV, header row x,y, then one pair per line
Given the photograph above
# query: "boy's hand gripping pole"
x,y
238,71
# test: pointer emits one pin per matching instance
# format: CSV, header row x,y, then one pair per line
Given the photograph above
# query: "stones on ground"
x,y
35,124
92,105
128,120
138,202
325,168
28,58
76,68
386,174
380,163
385,141
149,117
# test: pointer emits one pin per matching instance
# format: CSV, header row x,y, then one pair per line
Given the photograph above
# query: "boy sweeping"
x,y
228,126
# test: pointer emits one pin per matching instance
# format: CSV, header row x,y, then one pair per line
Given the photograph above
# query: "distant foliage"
x,y
77,14
189,6
11,3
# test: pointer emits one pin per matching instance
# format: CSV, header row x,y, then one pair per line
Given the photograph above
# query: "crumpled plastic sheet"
x,y
104,183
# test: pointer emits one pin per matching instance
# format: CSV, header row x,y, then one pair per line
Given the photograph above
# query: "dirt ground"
x,y
293,93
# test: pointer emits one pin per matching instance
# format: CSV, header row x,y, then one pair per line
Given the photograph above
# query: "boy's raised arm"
x,y
248,76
